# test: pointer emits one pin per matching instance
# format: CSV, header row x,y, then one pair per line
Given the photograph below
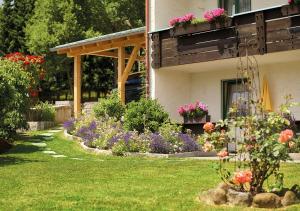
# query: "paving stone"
x,y
47,134
77,159
54,131
59,156
39,144
49,152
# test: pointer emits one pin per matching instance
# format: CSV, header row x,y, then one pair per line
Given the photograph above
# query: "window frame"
x,y
221,3
227,82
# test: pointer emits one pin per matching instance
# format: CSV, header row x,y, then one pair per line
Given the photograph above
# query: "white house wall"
x,y
176,86
260,4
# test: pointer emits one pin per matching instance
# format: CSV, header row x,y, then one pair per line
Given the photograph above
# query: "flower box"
x,y
292,9
200,27
202,120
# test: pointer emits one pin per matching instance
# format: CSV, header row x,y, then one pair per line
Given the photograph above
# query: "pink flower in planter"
x,y
242,177
192,107
183,19
285,136
211,15
291,1
223,154
181,110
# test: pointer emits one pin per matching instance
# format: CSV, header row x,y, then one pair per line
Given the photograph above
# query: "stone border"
x,y
137,154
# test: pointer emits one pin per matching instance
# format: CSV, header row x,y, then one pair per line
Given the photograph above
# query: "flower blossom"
x,y
211,15
223,154
183,19
286,136
208,147
242,177
208,127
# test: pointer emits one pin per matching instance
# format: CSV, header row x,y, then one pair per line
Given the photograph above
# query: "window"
x,y
234,94
235,6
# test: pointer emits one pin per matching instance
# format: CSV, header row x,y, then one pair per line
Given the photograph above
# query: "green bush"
x,y
111,107
14,100
145,114
46,111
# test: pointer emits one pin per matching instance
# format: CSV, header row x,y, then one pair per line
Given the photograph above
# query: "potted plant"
x,y
292,8
213,19
194,113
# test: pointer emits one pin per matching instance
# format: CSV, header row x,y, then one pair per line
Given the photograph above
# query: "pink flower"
x,y
242,177
285,136
211,15
192,107
291,1
223,154
183,19
181,110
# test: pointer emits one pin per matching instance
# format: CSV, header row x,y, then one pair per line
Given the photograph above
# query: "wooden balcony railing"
x,y
265,31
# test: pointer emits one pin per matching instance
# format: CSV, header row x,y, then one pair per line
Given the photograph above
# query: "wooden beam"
x,y
77,86
121,68
130,63
94,48
115,55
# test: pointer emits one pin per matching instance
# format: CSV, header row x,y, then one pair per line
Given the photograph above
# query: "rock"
x,y
266,200
236,198
214,197
219,196
224,186
289,198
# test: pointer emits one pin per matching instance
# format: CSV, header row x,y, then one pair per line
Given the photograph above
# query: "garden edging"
x,y
137,154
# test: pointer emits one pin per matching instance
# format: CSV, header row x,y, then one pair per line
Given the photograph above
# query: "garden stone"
x,y
219,196
237,198
59,156
39,144
224,186
266,200
289,198
49,152
47,134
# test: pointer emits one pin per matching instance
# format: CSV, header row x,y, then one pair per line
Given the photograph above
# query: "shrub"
x,y
14,100
110,107
45,111
145,114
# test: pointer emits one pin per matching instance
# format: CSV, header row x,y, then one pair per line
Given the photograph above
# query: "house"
x,y
191,65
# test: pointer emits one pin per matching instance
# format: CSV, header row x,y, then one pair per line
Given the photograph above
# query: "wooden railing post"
x,y
77,86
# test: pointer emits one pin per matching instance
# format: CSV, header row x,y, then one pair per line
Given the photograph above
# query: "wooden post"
x,y
77,86
121,68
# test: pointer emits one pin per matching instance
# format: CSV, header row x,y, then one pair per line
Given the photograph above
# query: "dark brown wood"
x,y
261,32
156,51
271,30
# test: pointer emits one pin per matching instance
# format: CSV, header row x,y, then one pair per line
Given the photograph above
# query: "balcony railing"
x,y
260,32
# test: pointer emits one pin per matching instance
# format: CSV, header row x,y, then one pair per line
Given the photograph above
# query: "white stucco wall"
x,y
259,4
185,84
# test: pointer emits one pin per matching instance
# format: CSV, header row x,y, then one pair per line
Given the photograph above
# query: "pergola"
x,y
111,45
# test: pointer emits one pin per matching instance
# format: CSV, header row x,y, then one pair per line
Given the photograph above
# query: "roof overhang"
x,y
96,45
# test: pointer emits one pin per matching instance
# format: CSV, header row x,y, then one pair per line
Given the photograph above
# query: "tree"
x,y
15,14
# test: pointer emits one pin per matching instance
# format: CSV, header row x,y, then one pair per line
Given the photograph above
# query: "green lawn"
x,y
32,180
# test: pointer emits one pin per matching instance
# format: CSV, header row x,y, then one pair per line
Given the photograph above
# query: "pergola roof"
x,y
125,38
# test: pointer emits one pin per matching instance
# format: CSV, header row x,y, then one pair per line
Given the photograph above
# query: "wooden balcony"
x,y
260,32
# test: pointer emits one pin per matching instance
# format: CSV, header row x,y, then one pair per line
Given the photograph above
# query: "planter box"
x,y
203,120
290,10
35,126
200,27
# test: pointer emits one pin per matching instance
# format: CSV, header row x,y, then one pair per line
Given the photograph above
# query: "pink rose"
x,y
286,136
223,154
242,177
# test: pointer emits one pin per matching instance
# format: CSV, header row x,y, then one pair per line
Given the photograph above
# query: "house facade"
x,y
202,65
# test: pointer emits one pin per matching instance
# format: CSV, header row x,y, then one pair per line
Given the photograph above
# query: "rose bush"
x,y
264,143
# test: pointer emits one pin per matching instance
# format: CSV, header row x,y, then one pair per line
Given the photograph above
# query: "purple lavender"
x,y
93,125
69,125
189,144
88,134
159,145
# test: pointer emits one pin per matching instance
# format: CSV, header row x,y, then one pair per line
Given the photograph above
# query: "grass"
x,y
32,180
